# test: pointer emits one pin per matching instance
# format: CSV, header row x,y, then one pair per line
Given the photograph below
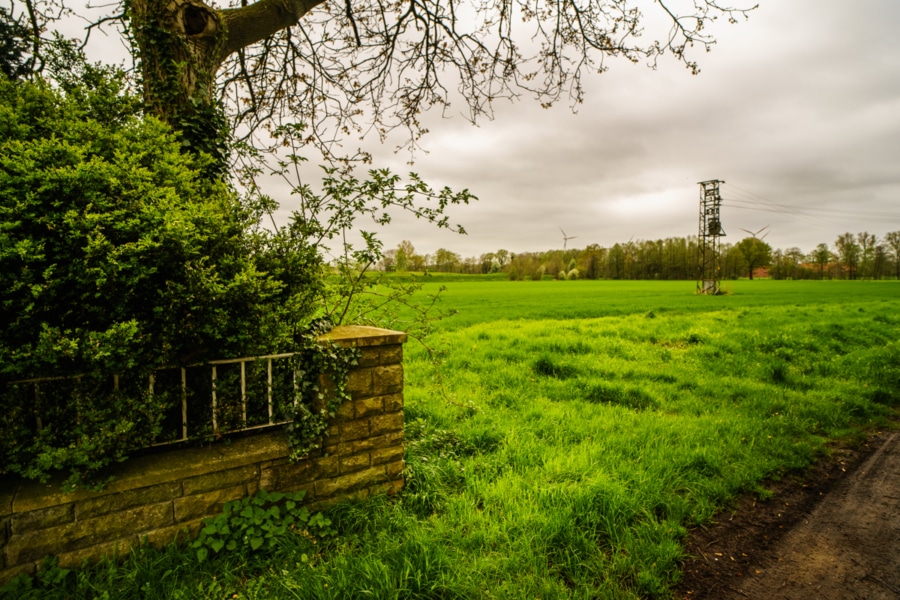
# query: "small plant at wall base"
x,y
259,522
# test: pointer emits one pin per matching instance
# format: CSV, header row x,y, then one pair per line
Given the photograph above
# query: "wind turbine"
x,y
566,238
756,233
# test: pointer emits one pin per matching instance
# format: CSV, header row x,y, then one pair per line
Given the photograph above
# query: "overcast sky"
x,y
796,109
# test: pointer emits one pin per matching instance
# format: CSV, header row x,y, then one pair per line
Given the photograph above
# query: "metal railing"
x,y
213,398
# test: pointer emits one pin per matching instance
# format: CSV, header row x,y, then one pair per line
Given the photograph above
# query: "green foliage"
x,y
322,370
116,257
756,253
258,523
120,253
14,46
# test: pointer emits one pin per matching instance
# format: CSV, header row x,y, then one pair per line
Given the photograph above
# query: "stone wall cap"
x,y
360,336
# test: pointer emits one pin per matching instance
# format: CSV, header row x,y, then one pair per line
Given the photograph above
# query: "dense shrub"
x,y
118,256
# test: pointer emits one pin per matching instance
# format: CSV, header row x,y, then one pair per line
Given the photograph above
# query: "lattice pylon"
x,y
708,238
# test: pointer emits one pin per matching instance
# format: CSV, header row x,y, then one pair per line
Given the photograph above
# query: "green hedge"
x,y
117,256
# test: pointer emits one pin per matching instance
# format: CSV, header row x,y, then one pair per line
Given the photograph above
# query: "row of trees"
x,y
852,256
859,256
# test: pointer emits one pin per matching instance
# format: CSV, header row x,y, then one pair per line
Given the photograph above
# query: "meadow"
x,y
563,437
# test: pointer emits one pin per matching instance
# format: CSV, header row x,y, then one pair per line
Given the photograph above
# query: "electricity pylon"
x,y
708,238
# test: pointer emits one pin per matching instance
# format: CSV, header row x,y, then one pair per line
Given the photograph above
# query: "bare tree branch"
x,y
358,67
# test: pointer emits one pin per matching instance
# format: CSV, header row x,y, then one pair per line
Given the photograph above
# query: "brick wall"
x,y
161,495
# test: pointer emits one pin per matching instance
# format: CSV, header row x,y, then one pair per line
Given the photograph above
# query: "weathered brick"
x,y
394,469
338,449
220,480
345,411
354,430
272,463
4,537
8,487
166,535
393,402
380,441
368,443
290,481
368,406
370,357
94,553
351,464
391,355
386,423
207,504
12,571
359,383
107,503
322,503
35,544
381,456
293,476
387,380
43,518
394,486
332,435
351,482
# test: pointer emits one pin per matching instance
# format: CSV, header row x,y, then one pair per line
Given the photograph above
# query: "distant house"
x,y
761,273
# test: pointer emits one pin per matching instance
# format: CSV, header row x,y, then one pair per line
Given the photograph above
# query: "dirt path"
x,y
834,535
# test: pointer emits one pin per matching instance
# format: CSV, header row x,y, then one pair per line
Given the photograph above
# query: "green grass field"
x,y
572,434
491,300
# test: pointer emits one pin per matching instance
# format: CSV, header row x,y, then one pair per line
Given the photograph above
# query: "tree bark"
x,y
181,45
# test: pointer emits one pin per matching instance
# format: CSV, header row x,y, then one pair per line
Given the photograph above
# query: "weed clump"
x,y
628,397
547,366
780,373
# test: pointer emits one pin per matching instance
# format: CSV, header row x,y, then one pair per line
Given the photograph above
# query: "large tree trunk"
x,y
182,43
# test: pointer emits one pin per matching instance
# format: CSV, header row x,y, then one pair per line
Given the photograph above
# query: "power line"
x,y
746,200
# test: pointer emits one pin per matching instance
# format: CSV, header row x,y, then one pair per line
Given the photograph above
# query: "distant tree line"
x,y
851,256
